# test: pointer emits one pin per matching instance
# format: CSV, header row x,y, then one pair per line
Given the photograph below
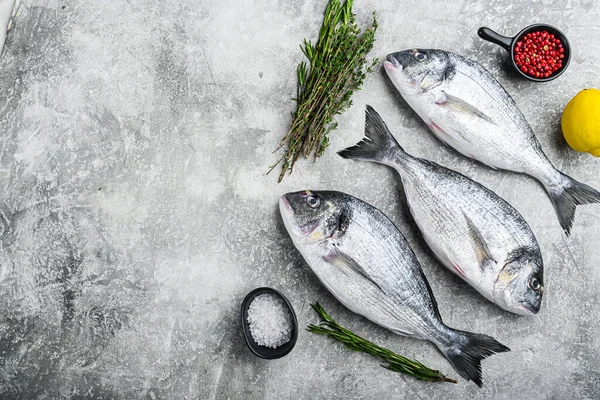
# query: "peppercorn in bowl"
x,y
539,52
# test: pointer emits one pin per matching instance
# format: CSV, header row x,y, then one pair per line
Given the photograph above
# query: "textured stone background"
x,y
135,212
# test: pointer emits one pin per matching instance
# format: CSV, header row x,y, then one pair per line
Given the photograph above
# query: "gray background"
x,y
136,213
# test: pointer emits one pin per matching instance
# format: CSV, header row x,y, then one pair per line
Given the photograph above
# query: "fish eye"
x,y
313,201
535,284
419,56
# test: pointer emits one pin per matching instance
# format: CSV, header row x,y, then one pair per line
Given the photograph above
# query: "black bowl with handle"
x,y
263,351
509,44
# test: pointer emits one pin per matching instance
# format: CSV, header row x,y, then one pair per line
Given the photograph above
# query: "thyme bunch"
x,y
336,68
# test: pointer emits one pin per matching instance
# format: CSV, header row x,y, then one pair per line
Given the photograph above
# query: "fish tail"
x,y
465,351
567,196
378,145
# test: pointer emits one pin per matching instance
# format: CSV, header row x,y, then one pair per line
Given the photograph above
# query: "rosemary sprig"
x,y
392,361
337,66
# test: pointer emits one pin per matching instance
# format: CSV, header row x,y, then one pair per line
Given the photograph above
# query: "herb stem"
x,y
391,360
337,66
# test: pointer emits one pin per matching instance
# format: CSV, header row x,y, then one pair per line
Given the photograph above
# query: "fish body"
x,y
365,262
465,107
471,230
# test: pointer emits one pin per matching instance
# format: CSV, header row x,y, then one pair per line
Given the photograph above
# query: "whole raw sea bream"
x,y
365,262
466,108
472,231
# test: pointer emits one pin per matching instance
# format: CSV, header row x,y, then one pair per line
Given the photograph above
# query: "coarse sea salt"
x,y
269,320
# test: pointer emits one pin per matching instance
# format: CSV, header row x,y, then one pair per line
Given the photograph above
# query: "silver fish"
x,y
365,262
472,231
466,108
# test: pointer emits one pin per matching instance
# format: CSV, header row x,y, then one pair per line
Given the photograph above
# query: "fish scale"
x,y
467,109
366,263
381,264
430,190
474,233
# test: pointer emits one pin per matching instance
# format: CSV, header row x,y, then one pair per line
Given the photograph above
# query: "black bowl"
x,y
262,351
509,44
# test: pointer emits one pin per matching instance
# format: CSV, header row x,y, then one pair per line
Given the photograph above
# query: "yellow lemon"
x,y
581,122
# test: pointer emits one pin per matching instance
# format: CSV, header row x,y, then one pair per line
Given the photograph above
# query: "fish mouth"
x,y
297,231
391,59
284,205
395,71
287,215
529,309
391,64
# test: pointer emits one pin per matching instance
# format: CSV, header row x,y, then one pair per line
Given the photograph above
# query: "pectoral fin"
x,y
348,265
484,256
458,104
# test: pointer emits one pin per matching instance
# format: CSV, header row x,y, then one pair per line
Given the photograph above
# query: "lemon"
x,y
581,122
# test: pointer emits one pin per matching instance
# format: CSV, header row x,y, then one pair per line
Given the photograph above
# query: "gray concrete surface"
x,y
136,213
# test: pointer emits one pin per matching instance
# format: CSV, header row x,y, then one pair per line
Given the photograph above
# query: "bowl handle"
x,y
491,36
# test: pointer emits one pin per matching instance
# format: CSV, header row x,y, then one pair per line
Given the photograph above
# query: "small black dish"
x,y
509,44
262,351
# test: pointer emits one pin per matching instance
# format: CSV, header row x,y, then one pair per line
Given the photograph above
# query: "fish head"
x,y
313,216
417,71
520,285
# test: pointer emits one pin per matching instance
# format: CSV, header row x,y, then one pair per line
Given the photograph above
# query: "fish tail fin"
x,y
466,350
567,196
378,145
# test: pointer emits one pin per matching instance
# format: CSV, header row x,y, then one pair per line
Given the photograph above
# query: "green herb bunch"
x,y
392,361
337,66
